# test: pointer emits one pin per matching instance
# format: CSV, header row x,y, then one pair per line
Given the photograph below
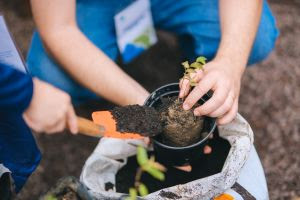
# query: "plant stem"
x,y
138,177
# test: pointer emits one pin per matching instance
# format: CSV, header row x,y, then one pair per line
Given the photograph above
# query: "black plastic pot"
x,y
178,156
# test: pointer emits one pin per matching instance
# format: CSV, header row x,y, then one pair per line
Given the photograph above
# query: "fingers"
x,y
50,127
50,110
207,149
223,109
185,83
32,125
214,102
54,124
223,82
58,121
186,168
230,115
72,120
147,141
202,88
58,126
198,76
184,87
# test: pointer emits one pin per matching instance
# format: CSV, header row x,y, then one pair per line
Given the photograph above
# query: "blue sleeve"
x,y
16,90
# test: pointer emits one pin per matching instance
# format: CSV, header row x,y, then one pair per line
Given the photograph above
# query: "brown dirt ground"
x,y
269,101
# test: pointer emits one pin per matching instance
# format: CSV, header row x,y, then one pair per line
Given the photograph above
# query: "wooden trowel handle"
x,y
88,127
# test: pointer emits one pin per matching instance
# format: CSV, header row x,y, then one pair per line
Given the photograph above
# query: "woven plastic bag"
x,y
237,179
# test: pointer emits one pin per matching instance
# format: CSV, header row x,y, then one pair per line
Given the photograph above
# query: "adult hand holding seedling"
x,y
50,110
224,80
223,74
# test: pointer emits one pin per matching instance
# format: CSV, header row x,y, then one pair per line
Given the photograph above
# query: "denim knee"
x,y
266,37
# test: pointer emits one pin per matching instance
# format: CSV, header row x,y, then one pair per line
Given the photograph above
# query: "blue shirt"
x,y
195,22
18,150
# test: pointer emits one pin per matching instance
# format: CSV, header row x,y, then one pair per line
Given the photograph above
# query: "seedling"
x,y
190,69
146,165
50,197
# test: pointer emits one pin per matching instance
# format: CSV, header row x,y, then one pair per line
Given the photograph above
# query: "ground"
x,y
269,100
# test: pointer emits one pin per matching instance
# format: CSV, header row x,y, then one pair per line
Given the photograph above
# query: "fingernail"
x,y
207,149
186,106
74,131
180,94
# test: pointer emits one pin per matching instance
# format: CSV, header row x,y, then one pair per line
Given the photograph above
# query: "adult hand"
x,y
223,78
50,110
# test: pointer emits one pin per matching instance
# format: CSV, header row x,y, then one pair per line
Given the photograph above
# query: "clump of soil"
x,y
138,119
67,188
180,127
68,195
169,195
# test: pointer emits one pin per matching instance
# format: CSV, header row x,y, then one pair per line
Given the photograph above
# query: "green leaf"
x,y
190,71
201,60
50,197
186,76
142,156
192,83
196,65
143,190
186,65
132,193
143,40
155,173
157,165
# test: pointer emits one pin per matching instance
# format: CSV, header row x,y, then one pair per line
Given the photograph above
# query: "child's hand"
x,y
223,78
50,110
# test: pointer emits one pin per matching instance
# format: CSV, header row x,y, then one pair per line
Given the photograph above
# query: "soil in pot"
x,y
180,127
207,165
177,126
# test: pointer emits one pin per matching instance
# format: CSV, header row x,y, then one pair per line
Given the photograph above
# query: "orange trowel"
x,y
103,125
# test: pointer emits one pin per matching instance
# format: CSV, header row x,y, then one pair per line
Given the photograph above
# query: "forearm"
x,y
92,68
239,23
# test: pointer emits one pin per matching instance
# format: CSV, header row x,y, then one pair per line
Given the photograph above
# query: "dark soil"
x,y
269,100
68,194
169,195
66,188
137,119
109,186
207,165
180,127
177,126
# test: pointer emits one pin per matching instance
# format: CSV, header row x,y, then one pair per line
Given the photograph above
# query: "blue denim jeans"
x,y
195,22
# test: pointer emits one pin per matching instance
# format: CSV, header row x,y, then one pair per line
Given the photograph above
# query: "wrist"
x,y
142,98
34,95
36,85
136,98
236,66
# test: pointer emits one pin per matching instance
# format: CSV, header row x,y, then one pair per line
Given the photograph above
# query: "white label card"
x,y
135,30
9,53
